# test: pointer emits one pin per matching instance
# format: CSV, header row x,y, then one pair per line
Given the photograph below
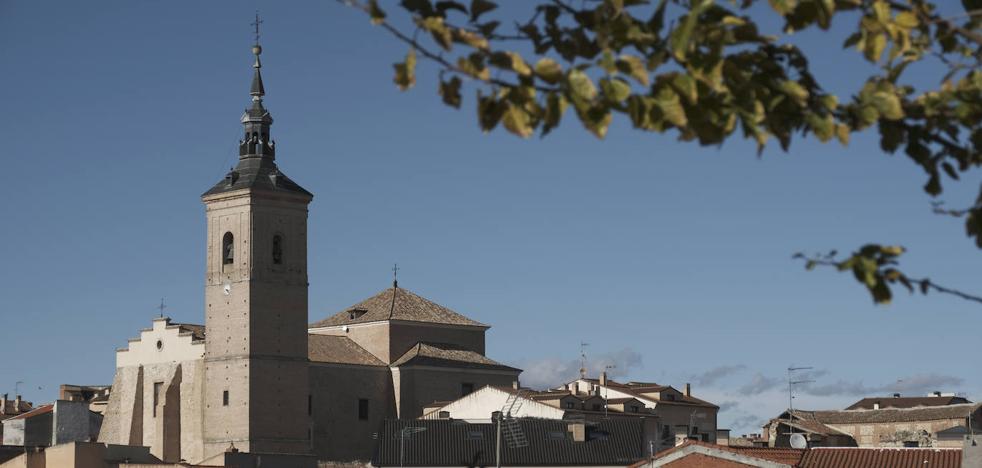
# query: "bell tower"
x,y
255,364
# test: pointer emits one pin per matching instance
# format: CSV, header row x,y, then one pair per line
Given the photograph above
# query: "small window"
x,y
157,387
228,249
556,435
277,249
475,435
225,398
466,388
569,405
669,397
634,409
310,405
444,415
363,409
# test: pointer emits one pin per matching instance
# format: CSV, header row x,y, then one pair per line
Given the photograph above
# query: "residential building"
x,y
680,414
921,426
57,423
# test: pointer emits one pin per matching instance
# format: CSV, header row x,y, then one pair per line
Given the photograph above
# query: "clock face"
x,y
227,288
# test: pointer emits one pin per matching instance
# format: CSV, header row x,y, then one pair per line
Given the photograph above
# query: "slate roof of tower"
x,y
339,350
258,175
458,443
397,304
447,355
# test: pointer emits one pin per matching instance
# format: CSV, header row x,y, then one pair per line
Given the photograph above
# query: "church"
x,y
257,377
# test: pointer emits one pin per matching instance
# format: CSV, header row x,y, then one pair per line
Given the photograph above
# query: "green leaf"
x,y
472,39
406,71
874,47
685,86
783,7
670,105
549,70
906,20
517,121
680,38
440,32
888,105
555,107
480,7
596,119
450,92
822,126
615,89
375,13
633,67
473,65
581,85
795,91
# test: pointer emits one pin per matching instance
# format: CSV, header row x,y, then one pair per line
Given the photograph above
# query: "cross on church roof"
x,y
256,24
395,274
161,307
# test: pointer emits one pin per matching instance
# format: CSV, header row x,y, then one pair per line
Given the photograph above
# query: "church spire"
x,y
257,143
257,91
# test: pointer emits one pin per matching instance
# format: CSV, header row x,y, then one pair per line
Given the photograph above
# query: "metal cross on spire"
x,y
161,307
256,24
395,275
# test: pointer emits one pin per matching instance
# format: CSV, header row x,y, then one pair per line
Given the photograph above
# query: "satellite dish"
x,y
798,441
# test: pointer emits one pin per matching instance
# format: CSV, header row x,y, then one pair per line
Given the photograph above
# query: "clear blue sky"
x,y
671,260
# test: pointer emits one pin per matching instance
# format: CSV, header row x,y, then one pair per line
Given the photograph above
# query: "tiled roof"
x,y
397,304
458,443
823,457
35,412
787,456
931,413
638,389
813,426
339,350
197,331
447,355
907,402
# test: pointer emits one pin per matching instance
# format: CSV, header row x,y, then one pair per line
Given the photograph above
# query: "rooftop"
x,y
907,402
448,355
397,304
339,350
444,442
930,413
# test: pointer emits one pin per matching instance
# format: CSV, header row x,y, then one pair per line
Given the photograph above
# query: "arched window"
x,y
277,249
228,249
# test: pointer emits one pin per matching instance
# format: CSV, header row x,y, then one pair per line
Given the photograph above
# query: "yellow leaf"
x,y
549,70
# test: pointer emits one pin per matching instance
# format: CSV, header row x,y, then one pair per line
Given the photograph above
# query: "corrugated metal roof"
x,y
458,443
881,458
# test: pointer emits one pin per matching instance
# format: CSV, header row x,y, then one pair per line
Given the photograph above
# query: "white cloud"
x,y
552,372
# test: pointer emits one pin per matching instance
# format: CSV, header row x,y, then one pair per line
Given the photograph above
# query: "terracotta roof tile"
x,y
906,402
197,331
35,412
397,304
339,350
930,413
447,355
823,457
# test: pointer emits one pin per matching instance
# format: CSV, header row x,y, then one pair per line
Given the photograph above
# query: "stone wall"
x,y
417,386
895,434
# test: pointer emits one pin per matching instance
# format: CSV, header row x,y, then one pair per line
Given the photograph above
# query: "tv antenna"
x,y
583,346
406,433
607,368
791,383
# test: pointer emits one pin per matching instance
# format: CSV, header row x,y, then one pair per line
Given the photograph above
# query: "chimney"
x,y
896,395
688,389
3,405
603,378
937,394
17,403
579,431
515,385
876,405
